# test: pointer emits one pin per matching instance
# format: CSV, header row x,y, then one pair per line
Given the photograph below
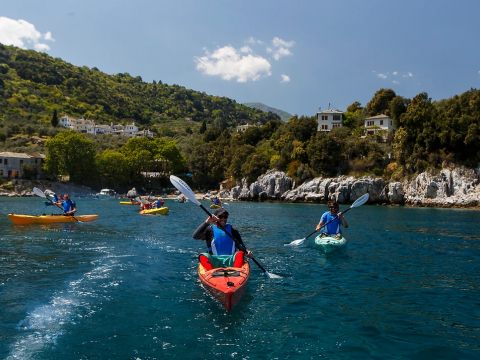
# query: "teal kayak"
x,y
329,244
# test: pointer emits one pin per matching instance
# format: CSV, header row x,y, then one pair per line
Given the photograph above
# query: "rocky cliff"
x,y
456,187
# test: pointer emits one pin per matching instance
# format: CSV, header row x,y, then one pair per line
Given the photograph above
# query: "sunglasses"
x,y
222,217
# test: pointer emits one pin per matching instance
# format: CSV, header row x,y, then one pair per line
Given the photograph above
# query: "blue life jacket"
x,y
68,205
159,204
334,227
222,244
55,198
215,201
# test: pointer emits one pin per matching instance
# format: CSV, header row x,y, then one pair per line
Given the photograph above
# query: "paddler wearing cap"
x,y
222,251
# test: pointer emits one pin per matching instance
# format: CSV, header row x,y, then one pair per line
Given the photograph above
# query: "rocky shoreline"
x,y
450,188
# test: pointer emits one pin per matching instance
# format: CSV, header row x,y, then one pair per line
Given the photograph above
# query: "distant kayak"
x,y
48,219
225,284
162,211
129,203
329,244
214,206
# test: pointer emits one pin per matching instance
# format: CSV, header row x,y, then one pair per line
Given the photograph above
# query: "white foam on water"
x,y
46,323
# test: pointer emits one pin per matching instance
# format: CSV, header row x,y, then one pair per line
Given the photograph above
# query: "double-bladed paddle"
x,y
359,202
185,190
40,193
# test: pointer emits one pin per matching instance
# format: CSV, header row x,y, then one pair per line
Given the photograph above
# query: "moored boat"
x,y
329,243
162,211
227,285
106,194
48,219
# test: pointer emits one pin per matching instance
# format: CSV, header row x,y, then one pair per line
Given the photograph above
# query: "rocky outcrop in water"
x,y
451,187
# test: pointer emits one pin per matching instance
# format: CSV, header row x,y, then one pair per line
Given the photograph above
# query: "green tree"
x,y
354,107
380,103
54,118
113,168
398,106
203,128
71,153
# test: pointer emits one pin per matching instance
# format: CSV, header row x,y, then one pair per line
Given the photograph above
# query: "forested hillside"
x,y
429,134
256,105
33,84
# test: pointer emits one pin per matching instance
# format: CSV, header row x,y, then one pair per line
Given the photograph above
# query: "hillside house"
x,y
243,128
328,119
11,164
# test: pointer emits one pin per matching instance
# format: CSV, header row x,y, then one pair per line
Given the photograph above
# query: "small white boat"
x,y
105,194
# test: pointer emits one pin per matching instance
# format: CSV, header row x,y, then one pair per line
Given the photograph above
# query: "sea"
x,y
125,286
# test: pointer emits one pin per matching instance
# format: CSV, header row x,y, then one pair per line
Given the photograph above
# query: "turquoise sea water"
x,y
125,286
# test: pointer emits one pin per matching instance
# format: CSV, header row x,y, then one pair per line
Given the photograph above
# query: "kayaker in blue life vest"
x,y
160,203
216,201
332,229
69,206
222,251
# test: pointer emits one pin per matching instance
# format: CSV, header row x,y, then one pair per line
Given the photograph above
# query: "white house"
x,y
382,121
131,129
328,119
144,133
242,128
11,164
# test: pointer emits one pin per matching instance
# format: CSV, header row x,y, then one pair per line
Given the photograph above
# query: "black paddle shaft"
x,y
239,244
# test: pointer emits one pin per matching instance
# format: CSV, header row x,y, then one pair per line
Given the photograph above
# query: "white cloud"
x,y
395,73
228,63
252,40
408,75
281,48
48,36
277,42
17,32
285,78
382,76
246,49
395,82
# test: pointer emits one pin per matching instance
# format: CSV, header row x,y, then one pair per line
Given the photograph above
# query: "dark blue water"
x,y
125,286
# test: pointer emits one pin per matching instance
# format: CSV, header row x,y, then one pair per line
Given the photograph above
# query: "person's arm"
x,y
203,232
344,222
321,223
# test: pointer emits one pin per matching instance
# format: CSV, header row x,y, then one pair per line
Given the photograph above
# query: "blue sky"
x,y
291,55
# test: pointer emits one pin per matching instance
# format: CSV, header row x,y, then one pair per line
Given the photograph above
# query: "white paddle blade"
x,y
184,189
296,242
38,192
361,200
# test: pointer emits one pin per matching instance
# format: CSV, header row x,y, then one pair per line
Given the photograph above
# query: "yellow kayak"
x,y
162,210
129,203
48,219
214,206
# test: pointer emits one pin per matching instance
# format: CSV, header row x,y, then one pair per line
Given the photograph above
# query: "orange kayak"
x,y
226,284
48,219
129,203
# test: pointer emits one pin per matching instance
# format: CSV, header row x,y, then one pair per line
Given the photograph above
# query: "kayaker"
x,y
69,206
222,251
160,203
216,201
333,228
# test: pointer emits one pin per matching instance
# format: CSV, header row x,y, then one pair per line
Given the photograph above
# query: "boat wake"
x,y
46,323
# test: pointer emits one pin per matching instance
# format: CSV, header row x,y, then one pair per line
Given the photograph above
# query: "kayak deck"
x,y
48,219
330,243
227,285
163,210
215,206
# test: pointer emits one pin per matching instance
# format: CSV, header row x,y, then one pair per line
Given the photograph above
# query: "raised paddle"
x,y
40,193
359,202
185,190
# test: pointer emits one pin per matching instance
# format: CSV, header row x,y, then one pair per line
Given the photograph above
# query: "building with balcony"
x,y
328,119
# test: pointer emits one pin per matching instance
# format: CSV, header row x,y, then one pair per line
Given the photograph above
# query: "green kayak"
x,y
329,244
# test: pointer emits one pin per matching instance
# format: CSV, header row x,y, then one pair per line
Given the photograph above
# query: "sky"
x,y
295,56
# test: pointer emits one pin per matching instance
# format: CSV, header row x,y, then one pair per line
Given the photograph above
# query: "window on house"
x,y
21,161
391,122
370,123
381,122
324,127
1,161
336,117
6,161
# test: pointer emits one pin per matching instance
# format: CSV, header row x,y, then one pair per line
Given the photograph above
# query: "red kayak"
x,y
226,284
